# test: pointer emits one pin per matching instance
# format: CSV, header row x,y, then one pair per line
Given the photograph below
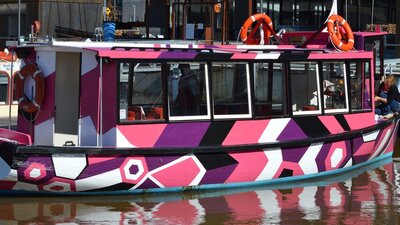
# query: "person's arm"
x,y
380,99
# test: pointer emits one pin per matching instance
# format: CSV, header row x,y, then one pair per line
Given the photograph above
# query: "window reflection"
x,y
230,87
269,89
360,81
141,92
187,89
304,87
334,86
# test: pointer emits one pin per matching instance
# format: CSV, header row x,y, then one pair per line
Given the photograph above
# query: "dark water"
x,y
369,195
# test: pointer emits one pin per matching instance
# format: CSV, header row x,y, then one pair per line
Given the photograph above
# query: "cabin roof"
x,y
192,51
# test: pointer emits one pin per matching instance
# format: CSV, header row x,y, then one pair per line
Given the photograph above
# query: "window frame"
x,y
249,94
133,64
319,94
371,85
208,96
346,88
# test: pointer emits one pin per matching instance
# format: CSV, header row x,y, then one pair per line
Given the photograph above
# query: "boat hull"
x,y
69,170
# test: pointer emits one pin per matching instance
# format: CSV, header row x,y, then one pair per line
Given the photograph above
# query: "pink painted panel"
x,y
331,124
250,165
121,54
340,55
365,148
244,56
244,132
16,136
94,160
360,120
142,135
294,167
180,174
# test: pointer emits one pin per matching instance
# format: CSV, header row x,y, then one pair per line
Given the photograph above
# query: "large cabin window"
x,y
188,95
230,90
269,89
334,86
360,81
141,92
4,88
304,82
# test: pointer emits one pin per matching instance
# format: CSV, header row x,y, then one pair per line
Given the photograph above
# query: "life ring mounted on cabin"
x,y
340,33
262,20
24,103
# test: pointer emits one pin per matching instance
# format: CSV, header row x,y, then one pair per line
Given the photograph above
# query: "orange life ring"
x,y
343,39
251,39
27,105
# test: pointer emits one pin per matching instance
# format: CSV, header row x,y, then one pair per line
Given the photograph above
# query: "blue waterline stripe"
x,y
279,181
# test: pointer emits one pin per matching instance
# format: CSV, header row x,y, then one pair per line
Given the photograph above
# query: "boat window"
x,y
269,89
360,81
4,88
334,84
141,92
304,88
188,95
230,90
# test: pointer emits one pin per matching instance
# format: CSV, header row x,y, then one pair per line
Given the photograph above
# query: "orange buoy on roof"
x,y
26,104
340,33
252,38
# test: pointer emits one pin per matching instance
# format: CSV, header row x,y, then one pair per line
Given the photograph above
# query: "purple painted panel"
x,y
147,184
109,96
323,154
43,164
347,156
219,175
89,94
293,154
182,135
101,167
291,132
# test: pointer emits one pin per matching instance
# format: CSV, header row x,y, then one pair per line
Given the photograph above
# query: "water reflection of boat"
x,y
344,199
143,117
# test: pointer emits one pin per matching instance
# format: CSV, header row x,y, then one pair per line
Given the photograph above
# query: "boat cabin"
x,y
132,92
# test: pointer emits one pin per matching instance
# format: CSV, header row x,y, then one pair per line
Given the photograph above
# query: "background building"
x,y
217,20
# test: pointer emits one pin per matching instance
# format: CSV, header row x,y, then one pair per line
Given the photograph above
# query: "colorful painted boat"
x,y
121,117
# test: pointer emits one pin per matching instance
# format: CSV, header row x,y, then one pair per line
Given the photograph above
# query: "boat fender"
x,y
251,39
340,33
24,103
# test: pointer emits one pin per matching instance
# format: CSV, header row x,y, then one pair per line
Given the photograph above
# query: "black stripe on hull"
x,y
312,126
217,133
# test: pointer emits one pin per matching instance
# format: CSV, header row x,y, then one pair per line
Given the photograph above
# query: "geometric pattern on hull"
x,y
121,172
